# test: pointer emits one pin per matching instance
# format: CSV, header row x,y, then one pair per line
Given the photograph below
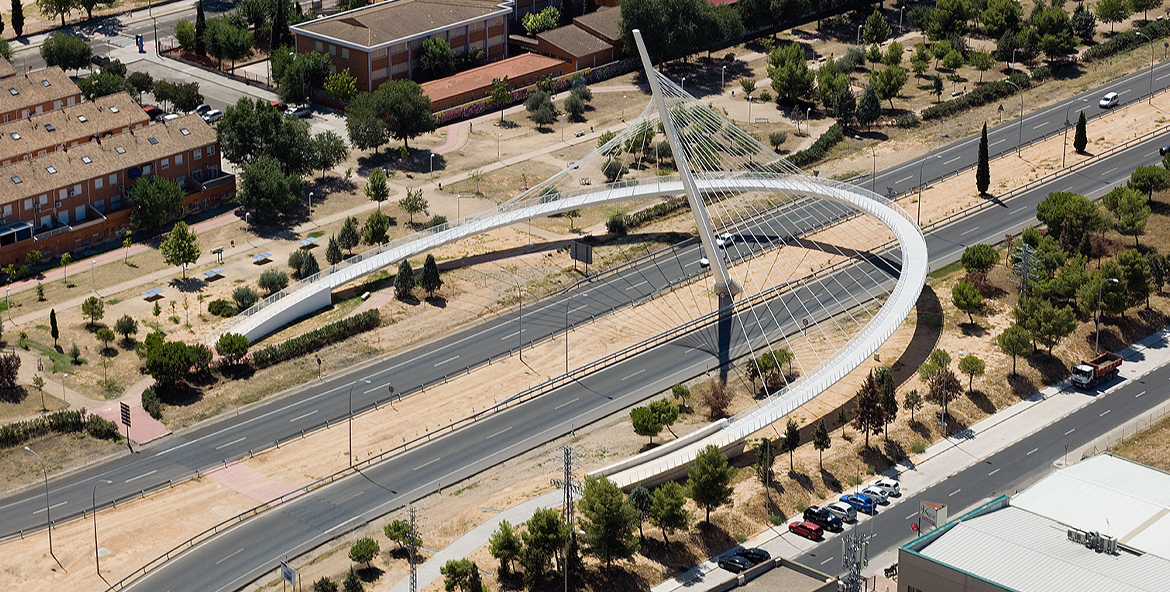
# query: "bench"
x,y
308,243
213,273
262,257
153,293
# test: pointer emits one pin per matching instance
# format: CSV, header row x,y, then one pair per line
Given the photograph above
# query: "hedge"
x,y
1127,40
151,404
316,339
62,422
817,151
982,95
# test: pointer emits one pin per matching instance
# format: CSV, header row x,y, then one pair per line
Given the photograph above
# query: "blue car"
x,y
862,502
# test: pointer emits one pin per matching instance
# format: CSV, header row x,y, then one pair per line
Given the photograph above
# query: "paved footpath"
x,y
941,460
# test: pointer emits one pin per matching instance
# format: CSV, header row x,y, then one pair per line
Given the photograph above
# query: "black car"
x,y
756,555
821,517
735,564
1164,150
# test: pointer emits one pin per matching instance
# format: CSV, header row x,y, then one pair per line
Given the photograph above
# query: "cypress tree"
x,y
983,172
279,25
404,281
430,280
200,28
1081,139
17,18
53,326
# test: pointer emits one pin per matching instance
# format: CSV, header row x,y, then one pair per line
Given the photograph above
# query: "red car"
x,y
806,529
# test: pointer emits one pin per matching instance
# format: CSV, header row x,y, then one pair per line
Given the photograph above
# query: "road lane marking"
x,y
644,282
579,308
1109,171
1031,451
1040,126
998,141
566,403
969,231
429,462
912,515
1107,412
300,417
634,374
229,557
912,176
51,507
1070,431
230,443
951,160
1124,91
954,492
1139,394
1162,76
509,335
826,561
142,475
993,472
451,359
498,433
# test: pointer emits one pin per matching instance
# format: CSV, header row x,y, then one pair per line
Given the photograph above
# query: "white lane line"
x,y
51,507
1124,91
998,141
566,403
1040,126
429,462
229,557
1109,171
634,374
952,160
691,263
509,335
1162,76
1107,412
993,472
451,359
498,433
230,443
1139,394
142,475
826,561
912,515
579,308
1070,431
954,492
300,417
912,176
969,231
643,283
1031,451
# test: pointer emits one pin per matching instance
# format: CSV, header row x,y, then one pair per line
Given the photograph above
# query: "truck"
x,y
1104,367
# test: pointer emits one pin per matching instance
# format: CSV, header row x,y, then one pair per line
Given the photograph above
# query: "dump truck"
x,y
1104,367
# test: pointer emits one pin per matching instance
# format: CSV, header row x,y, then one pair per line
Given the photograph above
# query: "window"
x,y
82,118
185,131
211,150
198,153
113,109
146,169
7,210
52,170
166,163
182,181
332,49
28,204
49,127
114,179
98,183
15,136
317,46
13,92
46,83
178,159
76,191
120,150
86,159
16,180
345,53
152,141
79,213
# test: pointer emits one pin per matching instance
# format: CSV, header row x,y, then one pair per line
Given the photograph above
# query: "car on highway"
x,y
1110,100
704,263
754,554
807,530
891,486
734,563
724,240
860,502
1164,150
213,116
877,494
823,518
844,512
301,111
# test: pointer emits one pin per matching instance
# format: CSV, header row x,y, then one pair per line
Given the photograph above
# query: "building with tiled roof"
x,y
383,41
6,69
69,127
37,92
465,87
604,23
575,45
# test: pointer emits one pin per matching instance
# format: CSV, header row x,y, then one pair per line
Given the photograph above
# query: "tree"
x,y
821,441
966,297
324,584
1069,214
1080,138
462,575
1130,209
267,189
645,422
232,347
126,326
913,402
341,85
642,501
18,22
1112,11
437,59
181,246
376,188
876,30
327,150
349,237
401,532
1083,23
1148,179
333,252
1135,276
404,281
971,365
429,279
791,441
545,535
869,108
375,229
140,82
1144,6
979,258
788,70
226,41
983,170
668,508
364,124
608,521
352,582
505,545
764,459
889,397
936,87
535,23
156,201
888,83
186,96
280,32
245,297
100,84
869,415
894,53
53,331
407,110
272,281
363,550
1001,16
499,95
168,362
94,308
200,29
413,203
62,50
255,12
1046,323
309,266
709,479
575,107
717,398
105,335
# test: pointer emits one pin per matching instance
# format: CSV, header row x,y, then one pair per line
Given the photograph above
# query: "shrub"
x,y
1042,73
436,220
232,347
296,259
316,339
851,59
918,447
988,93
151,404
222,308
272,281
100,428
1126,40
62,422
909,120
817,151
616,224
245,297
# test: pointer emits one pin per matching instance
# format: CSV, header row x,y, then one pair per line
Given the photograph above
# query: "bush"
x,y
851,59
909,120
988,93
296,259
151,404
616,224
1126,40
817,151
62,422
222,308
1042,73
315,340
245,297
272,281
232,347
436,220
100,428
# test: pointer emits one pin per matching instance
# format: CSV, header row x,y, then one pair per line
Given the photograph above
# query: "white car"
x,y
724,240
704,263
1110,100
842,510
213,116
891,486
171,116
878,494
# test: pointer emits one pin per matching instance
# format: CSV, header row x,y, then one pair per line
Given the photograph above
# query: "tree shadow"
x,y
803,480
188,285
13,395
649,446
370,574
979,398
437,301
893,450
919,428
972,329
179,394
711,538
675,555
830,481
237,371
1051,368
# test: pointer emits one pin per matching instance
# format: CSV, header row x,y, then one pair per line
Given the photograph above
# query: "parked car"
x,y
98,60
755,554
806,529
153,112
843,511
704,263
279,106
213,116
822,517
877,494
171,117
891,486
734,563
301,111
1110,100
202,109
860,502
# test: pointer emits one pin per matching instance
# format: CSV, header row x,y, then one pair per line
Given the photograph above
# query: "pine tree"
x,y
1081,139
869,415
279,25
333,253
404,282
17,18
821,441
791,441
983,172
200,29
349,237
430,280
869,108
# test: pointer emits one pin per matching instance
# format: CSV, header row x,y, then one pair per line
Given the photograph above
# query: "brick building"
x,y
35,93
605,23
69,127
383,41
464,87
576,46
68,199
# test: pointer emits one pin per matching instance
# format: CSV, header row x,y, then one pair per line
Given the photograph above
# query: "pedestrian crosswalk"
x,y
120,40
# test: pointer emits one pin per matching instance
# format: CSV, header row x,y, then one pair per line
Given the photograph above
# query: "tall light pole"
x,y
749,108
432,166
623,107
1067,124
355,383
48,518
920,164
1097,323
310,206
520,298
458,200
498,136
1020,145
63,399
96,556
1151,64
859,28
722,79
683,86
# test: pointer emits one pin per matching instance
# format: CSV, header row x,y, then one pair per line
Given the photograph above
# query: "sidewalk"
x,y
941,460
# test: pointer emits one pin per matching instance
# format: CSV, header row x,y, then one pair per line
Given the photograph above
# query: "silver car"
x,y
878,494
891,486
842,510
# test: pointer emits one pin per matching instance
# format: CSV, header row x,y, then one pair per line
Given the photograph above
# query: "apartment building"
x,y
6,69
36,92
69,127
68,199
383,41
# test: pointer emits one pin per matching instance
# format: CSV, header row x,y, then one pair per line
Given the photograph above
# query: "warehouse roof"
x,y
396,20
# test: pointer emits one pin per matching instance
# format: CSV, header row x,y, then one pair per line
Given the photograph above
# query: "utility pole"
x,y
572,489
412,548
854,558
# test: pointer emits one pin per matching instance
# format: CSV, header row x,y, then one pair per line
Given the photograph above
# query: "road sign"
x,y
914,526
125,414
581,252
288,574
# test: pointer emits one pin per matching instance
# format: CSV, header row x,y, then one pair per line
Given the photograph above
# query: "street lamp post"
x,y
498,136
520,298
1020,145
310,206
1097,323
458,201
920,164
623,107
432,166
722,79
683,86
96,556
63,399
1151,64
355,383
900,11
749,108
48,518
859,28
